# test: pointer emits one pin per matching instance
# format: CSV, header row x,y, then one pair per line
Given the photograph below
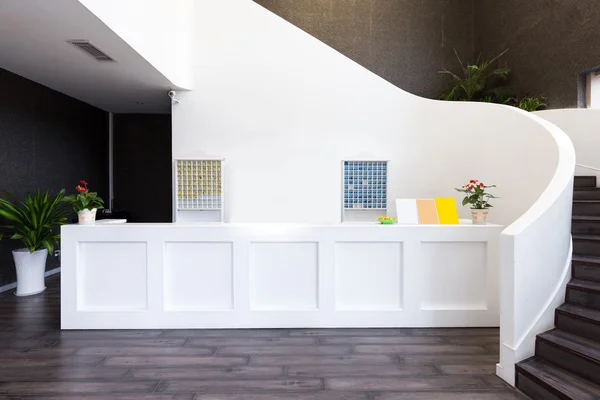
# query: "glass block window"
x,y
365,185
199,185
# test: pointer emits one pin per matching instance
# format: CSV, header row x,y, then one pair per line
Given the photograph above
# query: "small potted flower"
x,y
85,203
478,198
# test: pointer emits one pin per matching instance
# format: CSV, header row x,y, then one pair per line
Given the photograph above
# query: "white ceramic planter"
x,y
479,216
30,271
87,217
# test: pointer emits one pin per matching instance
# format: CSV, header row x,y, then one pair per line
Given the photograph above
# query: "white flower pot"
x,y
87,217
479,216
31,268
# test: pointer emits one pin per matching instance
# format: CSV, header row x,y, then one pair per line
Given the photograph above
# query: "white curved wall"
x,y
583,128
535,262
284,109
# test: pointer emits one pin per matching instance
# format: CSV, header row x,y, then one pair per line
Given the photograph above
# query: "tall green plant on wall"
x,y
484,82
476,82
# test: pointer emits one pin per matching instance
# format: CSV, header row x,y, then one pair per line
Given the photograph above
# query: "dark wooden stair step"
x,y
584,293
586,245
542,380
586,224
578,320
586,193
584,181
587,268
586,207
572,352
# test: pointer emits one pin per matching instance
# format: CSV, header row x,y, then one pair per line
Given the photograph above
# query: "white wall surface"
x,y
535,262
159,30
284,109
583,128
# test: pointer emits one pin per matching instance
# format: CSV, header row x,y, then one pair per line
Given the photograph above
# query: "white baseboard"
x,y
10,286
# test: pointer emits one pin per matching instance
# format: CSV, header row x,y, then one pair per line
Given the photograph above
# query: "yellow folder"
x,y
427,212
446,208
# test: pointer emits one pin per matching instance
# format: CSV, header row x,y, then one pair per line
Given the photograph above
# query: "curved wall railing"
x,y
535,263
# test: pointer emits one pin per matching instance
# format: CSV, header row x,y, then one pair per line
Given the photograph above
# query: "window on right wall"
x,y
593,90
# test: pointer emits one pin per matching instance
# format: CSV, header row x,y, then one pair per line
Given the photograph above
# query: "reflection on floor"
x,y
38,361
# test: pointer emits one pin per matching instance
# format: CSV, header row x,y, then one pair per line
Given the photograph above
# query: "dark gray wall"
x,y
405,42
47,141
550,42
143,173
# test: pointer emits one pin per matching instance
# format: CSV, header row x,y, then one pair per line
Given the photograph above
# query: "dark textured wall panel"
x,y
550,42
143,176
47,141
405,42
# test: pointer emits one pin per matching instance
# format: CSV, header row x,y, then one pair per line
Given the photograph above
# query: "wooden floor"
x,y
38,361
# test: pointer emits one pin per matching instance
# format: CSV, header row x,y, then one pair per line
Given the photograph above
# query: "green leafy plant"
x,y
35,220
531,103
476,82
482,82
84,199
475,194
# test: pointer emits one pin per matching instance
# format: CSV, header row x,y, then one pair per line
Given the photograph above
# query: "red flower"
x,y
80,189
472,181
481,185
83,183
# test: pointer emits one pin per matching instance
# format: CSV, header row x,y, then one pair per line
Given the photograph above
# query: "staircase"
x,y
566,364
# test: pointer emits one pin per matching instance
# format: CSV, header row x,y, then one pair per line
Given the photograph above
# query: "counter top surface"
x,y
121,224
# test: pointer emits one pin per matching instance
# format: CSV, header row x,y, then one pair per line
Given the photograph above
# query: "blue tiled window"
x,y
365,185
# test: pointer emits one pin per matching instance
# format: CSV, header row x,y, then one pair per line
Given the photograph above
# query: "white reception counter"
x,y
121,276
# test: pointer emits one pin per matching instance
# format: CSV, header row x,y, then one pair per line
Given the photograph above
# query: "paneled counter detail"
x,y
147,276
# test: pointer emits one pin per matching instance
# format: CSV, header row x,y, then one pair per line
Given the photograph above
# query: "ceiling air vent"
x,y
87,47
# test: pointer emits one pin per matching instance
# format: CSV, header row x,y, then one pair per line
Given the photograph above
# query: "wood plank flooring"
x,y
38,361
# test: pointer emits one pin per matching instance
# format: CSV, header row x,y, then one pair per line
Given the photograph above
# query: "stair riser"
x,y
585,181
585,227
586,247
591,194
532,389
586,209
568,360
588,272
583,298
578,326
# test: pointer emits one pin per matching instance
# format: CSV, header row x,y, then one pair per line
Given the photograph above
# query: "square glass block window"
x,y
365,185
199,185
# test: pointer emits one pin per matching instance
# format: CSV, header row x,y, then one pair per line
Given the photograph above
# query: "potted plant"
x,y
85,203
34,222
481,81
478,198
486,82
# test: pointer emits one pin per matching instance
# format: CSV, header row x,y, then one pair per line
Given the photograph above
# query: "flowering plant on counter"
x,y
84,199
475,194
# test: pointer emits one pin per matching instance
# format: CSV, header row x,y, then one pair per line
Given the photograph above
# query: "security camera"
x,y
172,94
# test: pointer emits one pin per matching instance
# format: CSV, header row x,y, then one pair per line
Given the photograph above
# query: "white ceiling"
x,y
33,35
